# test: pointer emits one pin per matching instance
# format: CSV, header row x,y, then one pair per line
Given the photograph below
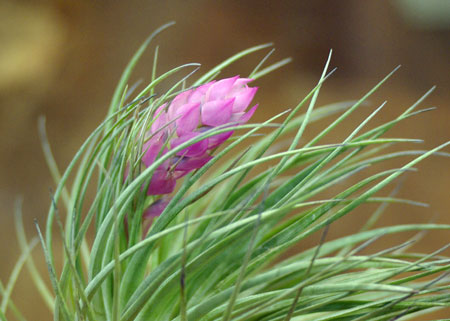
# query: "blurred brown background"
x,y
62,59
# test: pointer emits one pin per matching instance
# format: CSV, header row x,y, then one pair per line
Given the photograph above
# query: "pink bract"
x,y
193,112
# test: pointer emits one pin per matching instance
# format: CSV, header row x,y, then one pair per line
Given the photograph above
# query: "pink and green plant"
x,y
182,232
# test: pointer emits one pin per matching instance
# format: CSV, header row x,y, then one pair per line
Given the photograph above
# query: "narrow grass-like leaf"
x,y
129,68
229,61
23,243
60,301
15,274
269,69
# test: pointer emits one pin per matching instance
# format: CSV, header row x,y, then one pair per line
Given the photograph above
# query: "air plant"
x,y
191,222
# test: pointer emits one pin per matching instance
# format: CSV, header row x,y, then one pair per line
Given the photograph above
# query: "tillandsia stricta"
x,y
186,228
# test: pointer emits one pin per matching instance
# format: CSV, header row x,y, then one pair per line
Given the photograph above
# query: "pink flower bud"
x,y
191,113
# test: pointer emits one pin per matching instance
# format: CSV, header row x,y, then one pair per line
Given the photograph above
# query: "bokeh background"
x,y
62,59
